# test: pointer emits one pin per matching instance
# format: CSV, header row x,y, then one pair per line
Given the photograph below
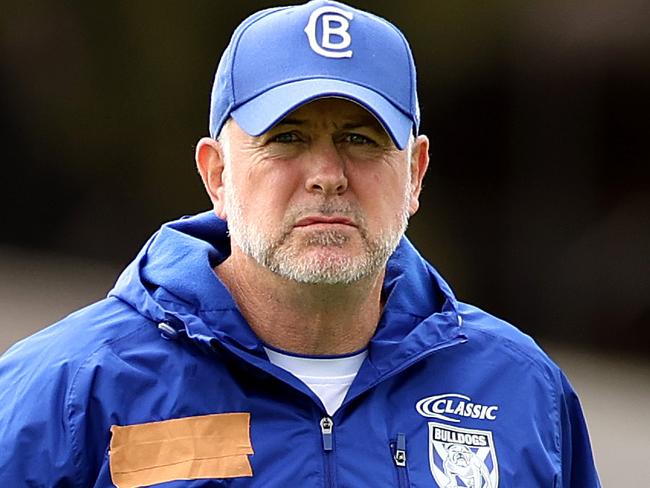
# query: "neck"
x,y
303,318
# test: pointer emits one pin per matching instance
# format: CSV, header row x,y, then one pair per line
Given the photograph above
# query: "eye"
x,y
285,138
359,139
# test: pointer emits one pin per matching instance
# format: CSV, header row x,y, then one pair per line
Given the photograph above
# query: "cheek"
x,y
266,198
382,196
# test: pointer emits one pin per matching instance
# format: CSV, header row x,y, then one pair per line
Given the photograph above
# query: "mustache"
x,y
325,208
328,208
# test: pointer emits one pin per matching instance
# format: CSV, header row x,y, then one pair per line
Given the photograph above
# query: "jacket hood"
x,y
172,280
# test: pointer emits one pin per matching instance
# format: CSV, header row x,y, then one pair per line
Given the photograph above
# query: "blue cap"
x,y
280,58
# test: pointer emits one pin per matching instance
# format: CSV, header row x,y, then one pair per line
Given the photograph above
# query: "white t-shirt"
x,y
328,378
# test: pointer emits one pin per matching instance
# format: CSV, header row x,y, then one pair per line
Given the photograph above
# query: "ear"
x,y
419,164
210,163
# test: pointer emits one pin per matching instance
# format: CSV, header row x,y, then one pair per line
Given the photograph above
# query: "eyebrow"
x,y
290,121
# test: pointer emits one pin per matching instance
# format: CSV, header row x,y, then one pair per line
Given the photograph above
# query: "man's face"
x,y
323,197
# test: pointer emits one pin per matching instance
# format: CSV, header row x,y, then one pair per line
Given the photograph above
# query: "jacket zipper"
x,y
326,429
399,457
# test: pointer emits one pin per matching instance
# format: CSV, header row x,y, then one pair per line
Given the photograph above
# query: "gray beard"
x,y
293,260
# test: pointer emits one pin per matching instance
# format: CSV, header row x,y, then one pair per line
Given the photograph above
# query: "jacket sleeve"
x,y
578,469
36,445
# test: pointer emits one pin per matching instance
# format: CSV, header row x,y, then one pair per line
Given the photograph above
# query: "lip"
x,y
325,219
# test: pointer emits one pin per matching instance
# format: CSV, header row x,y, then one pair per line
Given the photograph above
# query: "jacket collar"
x,y
172,280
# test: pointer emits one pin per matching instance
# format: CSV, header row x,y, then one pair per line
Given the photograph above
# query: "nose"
x,y
327,171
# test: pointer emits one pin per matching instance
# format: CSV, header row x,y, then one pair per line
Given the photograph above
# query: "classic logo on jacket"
x,y
462,457
449,406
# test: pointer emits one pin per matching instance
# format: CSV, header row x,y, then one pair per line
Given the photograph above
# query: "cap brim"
x,y
259,114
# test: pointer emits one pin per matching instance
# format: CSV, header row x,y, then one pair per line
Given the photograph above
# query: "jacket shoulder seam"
x,y
552,384
77,451
514,346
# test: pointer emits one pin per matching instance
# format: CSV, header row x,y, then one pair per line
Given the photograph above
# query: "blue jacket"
x,y
163,383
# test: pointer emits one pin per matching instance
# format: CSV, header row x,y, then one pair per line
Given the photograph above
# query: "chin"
x,y
330,257
325,265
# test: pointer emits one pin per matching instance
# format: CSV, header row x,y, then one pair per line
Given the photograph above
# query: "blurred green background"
x,y
537,202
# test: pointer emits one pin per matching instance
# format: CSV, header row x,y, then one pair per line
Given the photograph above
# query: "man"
x,y
307,344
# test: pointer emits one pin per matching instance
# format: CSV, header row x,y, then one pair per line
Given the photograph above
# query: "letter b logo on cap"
x,y
335,23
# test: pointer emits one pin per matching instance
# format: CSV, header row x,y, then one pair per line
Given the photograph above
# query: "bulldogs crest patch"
x,y
462,458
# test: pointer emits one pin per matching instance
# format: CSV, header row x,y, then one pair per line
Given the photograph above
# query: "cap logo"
x,y
335,38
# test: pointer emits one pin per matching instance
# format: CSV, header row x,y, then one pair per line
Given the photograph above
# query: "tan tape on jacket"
x,y
208,446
